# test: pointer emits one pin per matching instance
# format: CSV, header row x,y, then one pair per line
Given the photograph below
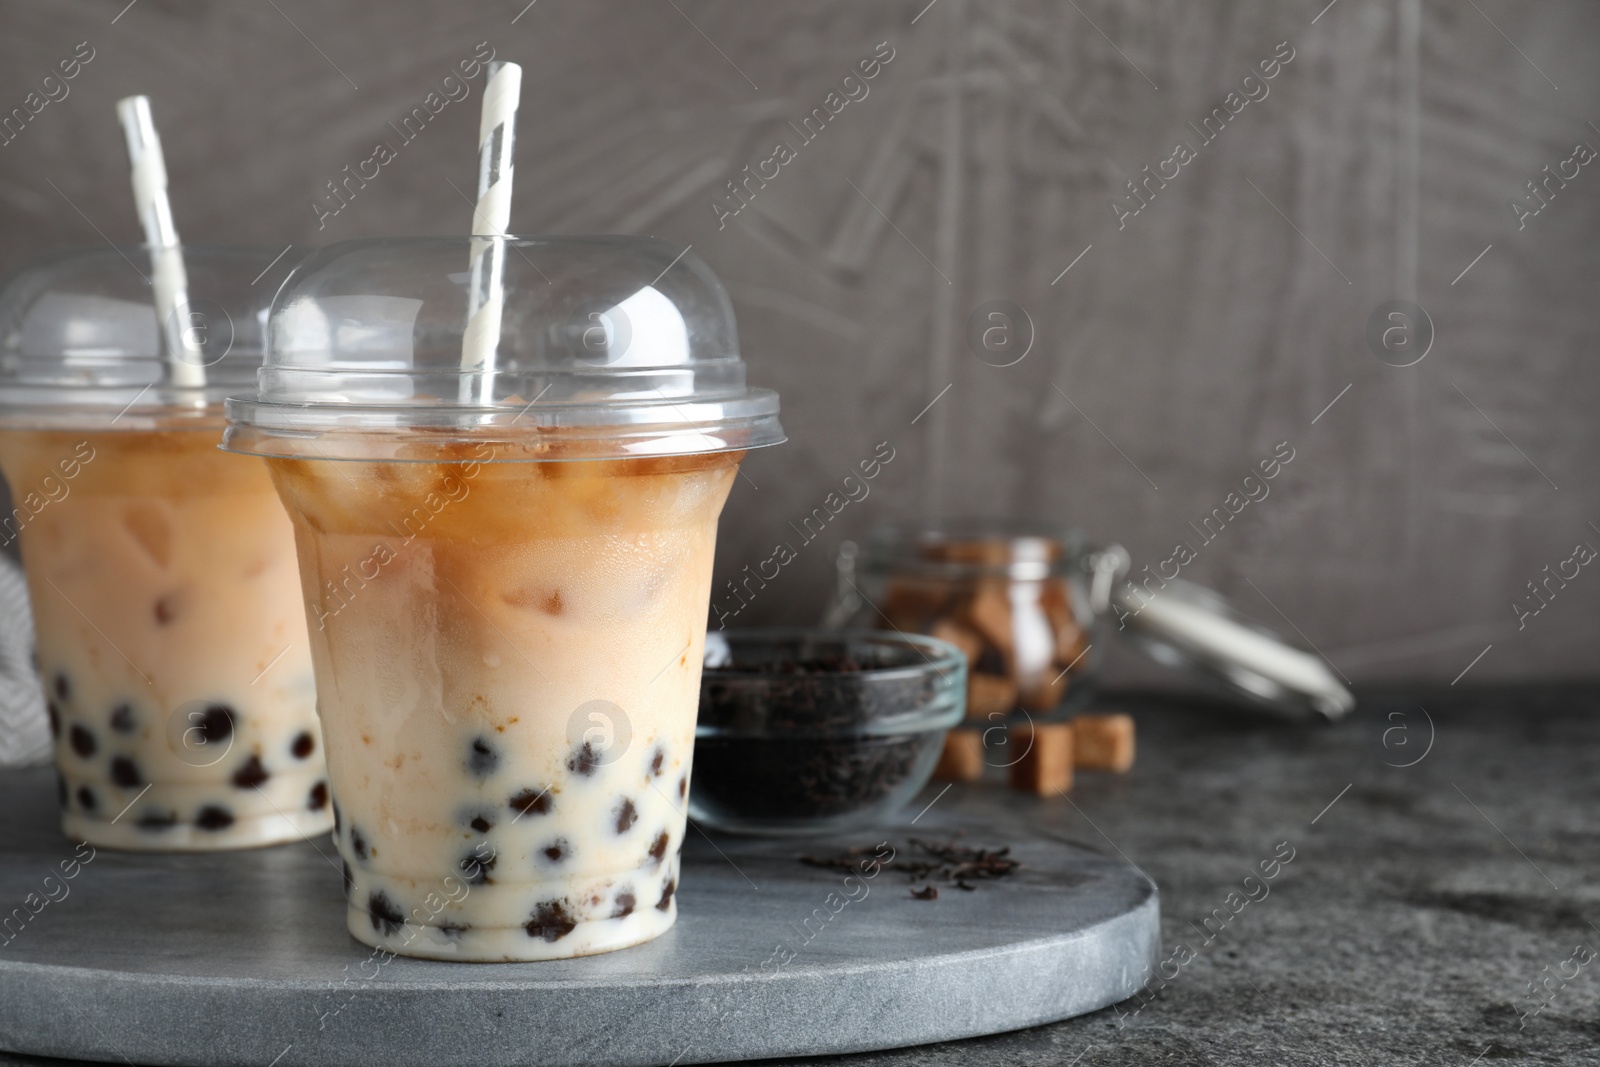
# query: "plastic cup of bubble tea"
x,y
171,641
506,555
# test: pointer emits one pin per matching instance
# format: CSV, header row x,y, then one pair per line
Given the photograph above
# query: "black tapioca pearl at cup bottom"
x,y
386,917
63,687
551,921
125,772
303,745
475,868
317,799
213,817
658,847
55,718
657,761
215,724
532,802
627,815
683,787
584,761
83,742
122,720
158,820
667,890
86,798
358,844
483,759
625,903
557,850
251,775
482,825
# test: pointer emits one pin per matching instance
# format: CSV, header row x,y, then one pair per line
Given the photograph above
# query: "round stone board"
x,y
242,957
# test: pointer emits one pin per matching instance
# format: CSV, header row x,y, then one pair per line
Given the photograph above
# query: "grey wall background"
x,y
1176,352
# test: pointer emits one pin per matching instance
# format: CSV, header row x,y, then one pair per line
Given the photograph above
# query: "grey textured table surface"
x,y
1417,910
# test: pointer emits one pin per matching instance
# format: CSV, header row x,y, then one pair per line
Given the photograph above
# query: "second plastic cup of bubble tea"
x,y
506,561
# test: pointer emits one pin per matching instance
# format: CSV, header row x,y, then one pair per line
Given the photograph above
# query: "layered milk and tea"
x,y
508,658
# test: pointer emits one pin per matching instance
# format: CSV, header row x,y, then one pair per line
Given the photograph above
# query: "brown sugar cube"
x,y
1056,599
911,605
962,758
985,552
1045,768
1103,742
968,642
989,613
989,694
1043,694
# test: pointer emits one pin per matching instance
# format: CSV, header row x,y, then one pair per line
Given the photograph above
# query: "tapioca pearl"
x,y
317,799
358,844
551,921
122,719
532,802
303,745
216,724
657,761
55,718
83,742
658,848
252,774
669,887
125,772
386,917
86,798
683,787
63,687
214,817
625,903
626,814
166,608
557,850
584,760
476,868
481,824
155,821
483,759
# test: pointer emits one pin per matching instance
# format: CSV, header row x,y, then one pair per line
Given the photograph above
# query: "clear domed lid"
x,y
607,347
81,342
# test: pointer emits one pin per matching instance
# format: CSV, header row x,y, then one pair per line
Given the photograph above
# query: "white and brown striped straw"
x,y
497,134
168,279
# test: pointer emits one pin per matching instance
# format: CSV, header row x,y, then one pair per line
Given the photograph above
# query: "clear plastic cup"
x,y
171,642
507,594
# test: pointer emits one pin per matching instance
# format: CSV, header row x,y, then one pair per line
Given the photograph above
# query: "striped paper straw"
x,y
497,134
169,280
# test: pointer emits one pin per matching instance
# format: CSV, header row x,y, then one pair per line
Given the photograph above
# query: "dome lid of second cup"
x,y
608,347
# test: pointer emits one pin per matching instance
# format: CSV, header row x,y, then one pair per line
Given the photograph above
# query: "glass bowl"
x,y
808,732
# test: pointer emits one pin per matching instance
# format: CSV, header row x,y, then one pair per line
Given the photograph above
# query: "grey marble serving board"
x,y
242,958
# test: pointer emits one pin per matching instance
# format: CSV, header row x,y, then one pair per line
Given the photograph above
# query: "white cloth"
x,y
24,729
